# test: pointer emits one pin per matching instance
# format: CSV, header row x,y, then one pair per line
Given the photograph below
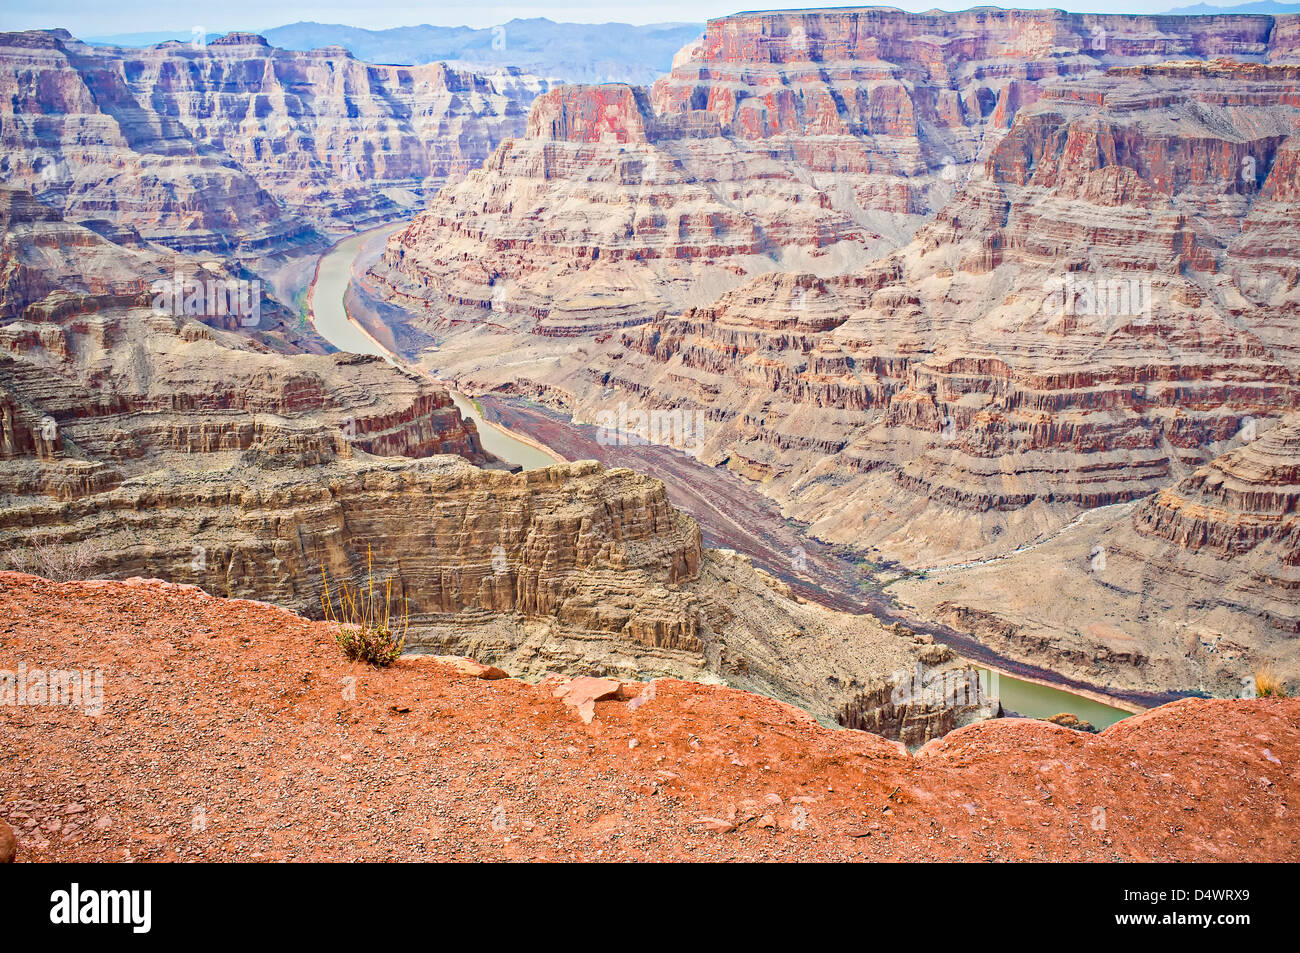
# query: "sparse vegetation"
x,y
1268,685
368,628
58,562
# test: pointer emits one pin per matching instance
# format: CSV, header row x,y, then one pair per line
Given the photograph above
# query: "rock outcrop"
x,y
1197,585
1104,297
235,146
807,140
102,381
136,441
569,568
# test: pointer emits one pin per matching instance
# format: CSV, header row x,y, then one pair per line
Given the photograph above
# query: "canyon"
x,y
938,285
235,147
157,444
1000,306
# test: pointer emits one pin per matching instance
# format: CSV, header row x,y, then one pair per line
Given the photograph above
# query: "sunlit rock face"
x,y
235,146
938,283
140,440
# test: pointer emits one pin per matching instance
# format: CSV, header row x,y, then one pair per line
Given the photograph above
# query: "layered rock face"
x,y
75,135
135,440
1098,309
106,375
1197,585
334,139
790,140
568,568
236,146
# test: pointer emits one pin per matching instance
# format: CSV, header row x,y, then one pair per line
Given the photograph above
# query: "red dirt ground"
x,y
226,735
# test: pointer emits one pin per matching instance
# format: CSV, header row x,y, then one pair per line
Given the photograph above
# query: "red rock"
x,y
8,844
467,666
582,693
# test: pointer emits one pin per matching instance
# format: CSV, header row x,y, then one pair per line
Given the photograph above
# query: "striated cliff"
x,y
135,441
236,146
809,140
1099,304
1197,585
570,568
957,290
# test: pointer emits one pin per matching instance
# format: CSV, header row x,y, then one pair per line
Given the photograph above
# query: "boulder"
x,y
467,666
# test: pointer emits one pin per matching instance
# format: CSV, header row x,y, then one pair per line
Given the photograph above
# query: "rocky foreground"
x,y
233,730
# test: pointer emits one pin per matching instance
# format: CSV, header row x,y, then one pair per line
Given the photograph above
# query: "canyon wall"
x,y
235,146
1197,585
943,399
138,441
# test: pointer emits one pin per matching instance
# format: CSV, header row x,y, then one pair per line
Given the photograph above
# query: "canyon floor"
x,y
235,730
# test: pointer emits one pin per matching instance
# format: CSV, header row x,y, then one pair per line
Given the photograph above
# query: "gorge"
x,y
954,360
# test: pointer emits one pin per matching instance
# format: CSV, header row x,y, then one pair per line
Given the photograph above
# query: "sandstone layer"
x,y
944,400
139,441
940,285
1197,585
236,731
235,146
569,568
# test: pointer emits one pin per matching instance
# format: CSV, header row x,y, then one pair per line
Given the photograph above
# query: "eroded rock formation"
x,y
945,400
158,445
1197,585
236,146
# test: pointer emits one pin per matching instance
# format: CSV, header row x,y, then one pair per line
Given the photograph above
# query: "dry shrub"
x,y
1268,685
60,562
368,628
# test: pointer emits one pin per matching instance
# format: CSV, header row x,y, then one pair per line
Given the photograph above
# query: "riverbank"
x,y
333,317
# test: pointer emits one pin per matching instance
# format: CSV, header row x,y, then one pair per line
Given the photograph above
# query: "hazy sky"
x,y
100,17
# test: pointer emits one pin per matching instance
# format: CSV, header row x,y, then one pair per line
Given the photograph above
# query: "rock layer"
x,y
138,442
945,400
1197,585
237,147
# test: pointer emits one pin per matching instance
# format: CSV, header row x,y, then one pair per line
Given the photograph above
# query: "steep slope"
x,y
237,731
104,378
74,134
1196,586
946,400
1096,313
337,141
135,439
801,139
234,146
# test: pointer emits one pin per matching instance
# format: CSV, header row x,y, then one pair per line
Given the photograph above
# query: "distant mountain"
x,y
139,39
1262,6
574,52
